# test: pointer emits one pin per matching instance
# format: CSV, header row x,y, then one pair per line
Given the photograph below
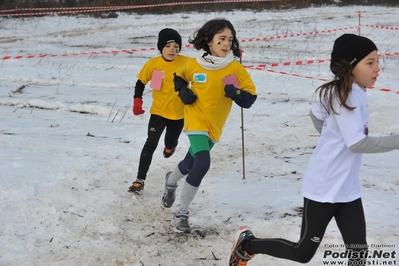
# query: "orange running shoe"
x,y
167,153
237,256
137,186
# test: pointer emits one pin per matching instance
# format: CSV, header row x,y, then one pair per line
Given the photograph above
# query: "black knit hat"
x,y
352,48
166,36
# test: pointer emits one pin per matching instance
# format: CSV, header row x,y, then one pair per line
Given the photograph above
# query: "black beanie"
x,y
166,36
352,48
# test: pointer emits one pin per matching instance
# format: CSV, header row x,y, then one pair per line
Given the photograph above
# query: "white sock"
x,y
175,176
187,195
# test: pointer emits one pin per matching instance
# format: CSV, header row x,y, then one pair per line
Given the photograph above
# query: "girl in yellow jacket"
x,y
207,85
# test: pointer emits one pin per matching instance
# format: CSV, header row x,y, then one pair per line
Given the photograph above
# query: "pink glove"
x,y
138,106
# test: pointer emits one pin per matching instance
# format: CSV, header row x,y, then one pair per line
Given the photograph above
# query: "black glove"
x,y
187,96
230,91
179,82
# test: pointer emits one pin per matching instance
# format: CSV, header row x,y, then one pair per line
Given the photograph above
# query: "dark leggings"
x,y
316,216
198,159
156,126
196,167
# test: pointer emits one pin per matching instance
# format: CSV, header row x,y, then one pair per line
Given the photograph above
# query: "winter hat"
x,y
352,48
166,36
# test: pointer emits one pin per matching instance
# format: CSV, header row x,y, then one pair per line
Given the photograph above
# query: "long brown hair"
x,y
205,34
337,89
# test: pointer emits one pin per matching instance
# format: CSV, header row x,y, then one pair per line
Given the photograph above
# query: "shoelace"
x,y
168,151
239,260
137,184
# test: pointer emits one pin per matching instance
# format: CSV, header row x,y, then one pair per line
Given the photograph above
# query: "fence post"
x,y
242,132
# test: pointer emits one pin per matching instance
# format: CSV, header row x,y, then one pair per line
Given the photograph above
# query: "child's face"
x,y
220,45
170,51
366,71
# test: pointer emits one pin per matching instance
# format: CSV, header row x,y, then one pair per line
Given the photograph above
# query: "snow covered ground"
x,y
69,143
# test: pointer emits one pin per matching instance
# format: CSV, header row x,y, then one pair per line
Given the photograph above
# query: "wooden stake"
x,y
242,132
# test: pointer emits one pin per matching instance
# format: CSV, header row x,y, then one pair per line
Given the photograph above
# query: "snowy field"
x,y
70,145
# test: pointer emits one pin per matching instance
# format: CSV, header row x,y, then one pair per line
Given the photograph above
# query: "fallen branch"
x,y
19,90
